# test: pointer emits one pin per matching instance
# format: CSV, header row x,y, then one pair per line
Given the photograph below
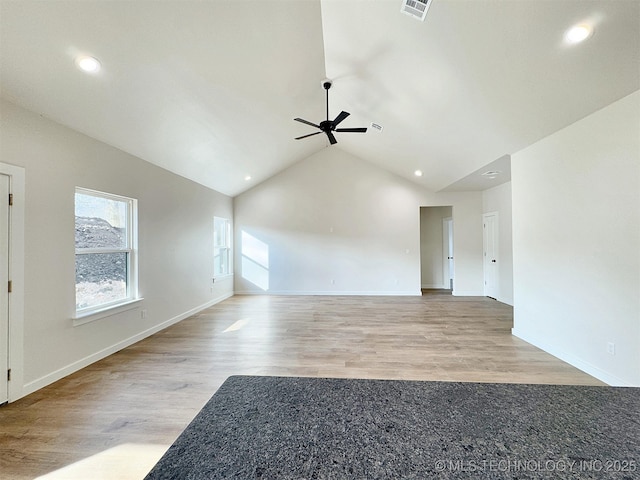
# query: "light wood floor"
x,y
115,418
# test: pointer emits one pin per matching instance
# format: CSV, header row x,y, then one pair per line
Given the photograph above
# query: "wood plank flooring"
x,y
115,418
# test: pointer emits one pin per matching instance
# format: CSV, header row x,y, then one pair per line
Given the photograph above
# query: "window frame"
x,y
131,251
225,246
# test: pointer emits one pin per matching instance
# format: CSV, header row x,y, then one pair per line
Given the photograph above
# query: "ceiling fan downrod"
x,y
327,86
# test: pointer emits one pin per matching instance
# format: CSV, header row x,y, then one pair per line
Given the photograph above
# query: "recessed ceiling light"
x,y
418,173
88,64
491,173
247,178
578,33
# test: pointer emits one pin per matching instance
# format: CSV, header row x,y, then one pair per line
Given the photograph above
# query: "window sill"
x,y
82,318
222,277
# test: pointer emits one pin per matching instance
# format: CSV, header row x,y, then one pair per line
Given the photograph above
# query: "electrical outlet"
x,y
611,348
143,313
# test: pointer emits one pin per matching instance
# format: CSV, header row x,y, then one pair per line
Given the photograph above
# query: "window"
x,y
105,241
221,246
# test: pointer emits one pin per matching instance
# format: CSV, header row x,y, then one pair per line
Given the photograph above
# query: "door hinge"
x,y
9,375
10,199
9,286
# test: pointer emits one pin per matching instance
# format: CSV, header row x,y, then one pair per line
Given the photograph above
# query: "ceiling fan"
x,y
329,126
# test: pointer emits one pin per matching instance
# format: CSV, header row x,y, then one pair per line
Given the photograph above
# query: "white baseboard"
x,y
94,357
505,301
402,293
580,364
434,286
467,293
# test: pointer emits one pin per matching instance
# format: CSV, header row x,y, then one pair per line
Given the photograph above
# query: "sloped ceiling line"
x,y
209,89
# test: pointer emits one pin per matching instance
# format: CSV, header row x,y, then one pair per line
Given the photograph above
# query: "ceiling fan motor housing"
x,y
327,126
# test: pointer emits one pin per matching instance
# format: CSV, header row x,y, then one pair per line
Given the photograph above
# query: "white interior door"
x,y
447,249
4,287
490,243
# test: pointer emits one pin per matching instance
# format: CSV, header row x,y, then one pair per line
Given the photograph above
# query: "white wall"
x,y
576,242
175,243
431,246
336,224
498,199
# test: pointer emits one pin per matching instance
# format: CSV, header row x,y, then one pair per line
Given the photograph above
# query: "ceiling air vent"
x,y
376,127
416,8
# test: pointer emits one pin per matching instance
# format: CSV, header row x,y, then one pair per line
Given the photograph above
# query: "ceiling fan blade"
x,y
305,136
356,130
307,122
332,139
341,116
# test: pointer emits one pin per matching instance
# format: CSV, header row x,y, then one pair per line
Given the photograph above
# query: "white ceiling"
x,y
209,89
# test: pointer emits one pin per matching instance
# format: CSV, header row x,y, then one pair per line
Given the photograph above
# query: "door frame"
x,y
16,176
5,207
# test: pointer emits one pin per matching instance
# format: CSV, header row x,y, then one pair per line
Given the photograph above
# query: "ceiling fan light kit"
x,y
329,126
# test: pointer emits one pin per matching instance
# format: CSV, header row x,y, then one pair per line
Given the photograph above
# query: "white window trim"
x,y
223,276
106,311
89,314
228,246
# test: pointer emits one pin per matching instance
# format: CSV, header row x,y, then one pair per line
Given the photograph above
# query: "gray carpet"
x,y
314,428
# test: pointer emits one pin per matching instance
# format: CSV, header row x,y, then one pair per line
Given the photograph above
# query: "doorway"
x,y
436,249
490,254
12,181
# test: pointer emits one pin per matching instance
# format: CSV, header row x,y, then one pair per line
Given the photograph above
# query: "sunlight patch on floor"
x,y
129,461
237,325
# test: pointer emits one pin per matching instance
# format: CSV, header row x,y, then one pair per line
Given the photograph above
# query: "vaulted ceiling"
x,y
209,89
